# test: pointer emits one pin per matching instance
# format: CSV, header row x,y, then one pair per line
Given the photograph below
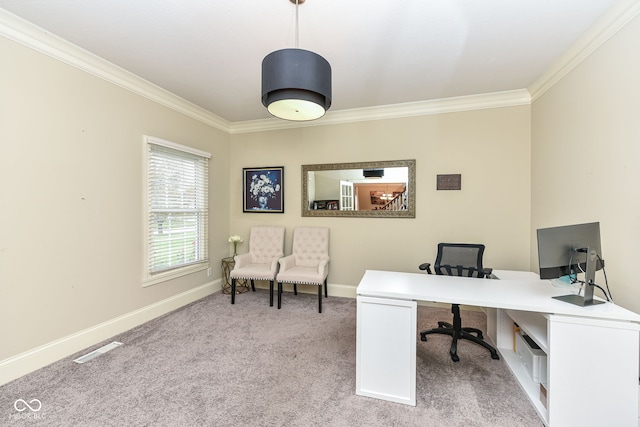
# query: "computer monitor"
x,y
569,250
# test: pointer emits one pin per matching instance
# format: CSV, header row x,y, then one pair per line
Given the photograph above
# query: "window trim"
x,y
162,276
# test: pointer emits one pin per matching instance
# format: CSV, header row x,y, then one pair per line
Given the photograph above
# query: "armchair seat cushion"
x,y
253,272
302,275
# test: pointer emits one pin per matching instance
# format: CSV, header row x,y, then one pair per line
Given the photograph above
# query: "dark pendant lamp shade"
x,y
373,173
296,84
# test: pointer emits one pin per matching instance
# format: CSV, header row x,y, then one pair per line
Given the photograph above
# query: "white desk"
x,y
592,352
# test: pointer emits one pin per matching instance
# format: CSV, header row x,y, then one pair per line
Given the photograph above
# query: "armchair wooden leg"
x,y
295,289
233,291
326,293
253,286
320,298
279,295
271,293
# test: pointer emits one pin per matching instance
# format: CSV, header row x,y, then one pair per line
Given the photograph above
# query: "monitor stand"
x,y
589,280
578,300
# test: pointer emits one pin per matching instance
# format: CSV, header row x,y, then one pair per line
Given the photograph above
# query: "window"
x,y
177,209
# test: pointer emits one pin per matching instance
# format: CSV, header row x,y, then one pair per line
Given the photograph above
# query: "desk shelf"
x,y
531,388
534,325
576,349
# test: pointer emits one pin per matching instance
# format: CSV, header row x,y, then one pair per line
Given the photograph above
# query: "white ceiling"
x,y
382,52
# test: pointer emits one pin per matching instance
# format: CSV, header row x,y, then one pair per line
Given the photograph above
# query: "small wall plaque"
x,y
449,182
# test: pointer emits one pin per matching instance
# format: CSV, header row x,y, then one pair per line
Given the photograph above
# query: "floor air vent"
x,y
100,351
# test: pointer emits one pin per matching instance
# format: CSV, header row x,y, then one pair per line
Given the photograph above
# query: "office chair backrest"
x,y
460,259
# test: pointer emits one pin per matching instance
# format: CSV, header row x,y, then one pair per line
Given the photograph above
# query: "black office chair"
x,y
459,259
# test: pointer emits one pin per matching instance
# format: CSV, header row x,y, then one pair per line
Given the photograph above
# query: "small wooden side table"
x,y
242,285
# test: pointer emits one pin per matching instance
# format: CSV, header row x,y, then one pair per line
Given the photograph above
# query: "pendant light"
x,y
373,173
296,83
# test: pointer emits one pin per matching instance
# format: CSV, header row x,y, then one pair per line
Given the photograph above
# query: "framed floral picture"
x,y
263,189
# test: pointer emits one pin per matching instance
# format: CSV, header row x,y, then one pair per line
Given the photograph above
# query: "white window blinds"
x,y
177,211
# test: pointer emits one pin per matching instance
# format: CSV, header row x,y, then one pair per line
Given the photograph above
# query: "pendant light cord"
x,y
297,26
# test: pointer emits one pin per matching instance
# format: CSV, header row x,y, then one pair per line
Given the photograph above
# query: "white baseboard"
x,y
39,357
349,291
344,291
29,361
334,289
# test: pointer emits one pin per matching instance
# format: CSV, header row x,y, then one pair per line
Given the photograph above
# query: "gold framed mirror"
x,y
383,189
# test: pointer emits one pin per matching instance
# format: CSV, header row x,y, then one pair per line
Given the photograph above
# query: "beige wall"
x,y
585,154
490,148
71,172
71,164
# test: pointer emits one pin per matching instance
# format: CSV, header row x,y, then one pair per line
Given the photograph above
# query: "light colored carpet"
x,y
216,364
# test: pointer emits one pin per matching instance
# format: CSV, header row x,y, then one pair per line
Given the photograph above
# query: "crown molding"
x,y
34,37
409,109
30,35
605,28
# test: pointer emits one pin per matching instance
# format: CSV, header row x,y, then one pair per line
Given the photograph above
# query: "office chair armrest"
x,y
425,266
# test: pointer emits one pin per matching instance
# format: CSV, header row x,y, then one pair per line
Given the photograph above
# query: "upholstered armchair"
x,y
308,263
266,247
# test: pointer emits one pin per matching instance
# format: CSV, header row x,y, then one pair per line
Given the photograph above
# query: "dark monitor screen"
x,y
560,249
